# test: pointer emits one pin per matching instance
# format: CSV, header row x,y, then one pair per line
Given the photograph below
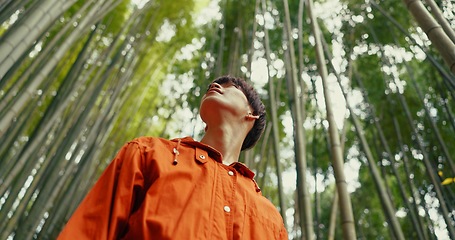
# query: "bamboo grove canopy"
x,y
360,99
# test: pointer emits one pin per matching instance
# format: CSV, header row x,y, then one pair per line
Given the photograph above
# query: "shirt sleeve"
x,y
104,212
283,234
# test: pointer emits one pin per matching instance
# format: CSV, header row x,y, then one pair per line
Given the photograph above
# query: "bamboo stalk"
x,y
347,217
434,31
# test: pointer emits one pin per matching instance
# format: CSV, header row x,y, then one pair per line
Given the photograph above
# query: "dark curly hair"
x,y
255,102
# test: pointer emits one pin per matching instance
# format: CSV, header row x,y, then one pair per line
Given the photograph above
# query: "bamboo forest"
x,y
360,135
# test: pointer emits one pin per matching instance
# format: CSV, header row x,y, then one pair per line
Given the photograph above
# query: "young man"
x,y
184,189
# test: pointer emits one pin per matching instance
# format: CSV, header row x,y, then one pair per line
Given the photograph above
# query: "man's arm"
x,y
104,212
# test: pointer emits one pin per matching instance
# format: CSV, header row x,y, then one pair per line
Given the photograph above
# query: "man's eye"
x,y
233,84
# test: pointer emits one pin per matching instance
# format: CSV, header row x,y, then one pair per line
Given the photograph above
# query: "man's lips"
x,y
215,90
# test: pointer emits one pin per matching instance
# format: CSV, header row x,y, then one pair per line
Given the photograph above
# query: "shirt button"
x,y
202,157
231,173
227,209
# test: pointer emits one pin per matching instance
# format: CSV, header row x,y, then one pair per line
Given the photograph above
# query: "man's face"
x,y
227,97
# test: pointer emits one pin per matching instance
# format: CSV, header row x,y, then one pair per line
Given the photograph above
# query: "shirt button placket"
x,y
227,208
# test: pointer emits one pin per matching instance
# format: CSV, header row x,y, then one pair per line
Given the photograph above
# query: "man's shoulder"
x,y
269,207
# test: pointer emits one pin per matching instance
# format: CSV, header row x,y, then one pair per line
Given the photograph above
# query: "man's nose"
x,y
215,85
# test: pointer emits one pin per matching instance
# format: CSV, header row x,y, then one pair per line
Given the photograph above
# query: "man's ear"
x,y
251,117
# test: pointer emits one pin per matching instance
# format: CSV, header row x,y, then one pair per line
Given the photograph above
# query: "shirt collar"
x,y
243,169
215,154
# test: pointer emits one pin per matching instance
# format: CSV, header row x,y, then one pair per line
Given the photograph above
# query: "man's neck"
x,y
226,140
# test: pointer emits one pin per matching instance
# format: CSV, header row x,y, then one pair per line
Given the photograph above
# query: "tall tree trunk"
x,y
433,30
347,217
38,62
273,111
305,209
447,78
390,156
19,39
47,124
436,12
219,61
335,204
81,28
262,166
333,217
49,192
9,7
381,187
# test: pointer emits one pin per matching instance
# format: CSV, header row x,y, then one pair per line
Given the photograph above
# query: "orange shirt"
x,y
143,194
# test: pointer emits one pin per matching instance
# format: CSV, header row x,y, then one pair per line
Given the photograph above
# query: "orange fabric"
x,y
144,194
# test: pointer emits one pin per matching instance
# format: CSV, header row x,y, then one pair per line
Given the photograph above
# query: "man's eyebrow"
x,y
225,82
230,83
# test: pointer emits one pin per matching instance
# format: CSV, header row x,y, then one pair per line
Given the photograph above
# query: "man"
x,y
184,189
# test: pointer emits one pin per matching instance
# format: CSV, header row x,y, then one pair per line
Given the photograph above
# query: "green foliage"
x,y
115,20
364,19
